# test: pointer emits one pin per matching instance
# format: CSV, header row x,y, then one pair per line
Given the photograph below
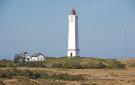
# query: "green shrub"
x,y
88,65
66,77
90,84
116,64
76,66
7,63
31,64
120,65
131,64
3,65
57,65
38,75
2,74
7,74
100,65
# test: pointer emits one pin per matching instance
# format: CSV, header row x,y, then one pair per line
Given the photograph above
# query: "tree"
x,y
19,59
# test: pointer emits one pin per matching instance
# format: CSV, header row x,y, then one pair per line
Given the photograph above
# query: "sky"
x,y
106,27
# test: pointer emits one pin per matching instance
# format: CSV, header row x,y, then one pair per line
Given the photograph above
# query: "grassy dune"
x,y
65,71
90,77
81,63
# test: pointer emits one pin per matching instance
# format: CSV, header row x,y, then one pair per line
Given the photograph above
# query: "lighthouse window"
x,y
71,20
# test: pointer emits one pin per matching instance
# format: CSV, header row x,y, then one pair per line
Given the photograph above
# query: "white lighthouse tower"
x,y
73,39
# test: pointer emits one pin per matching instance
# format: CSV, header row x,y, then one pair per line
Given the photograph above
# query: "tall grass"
x,y
32,74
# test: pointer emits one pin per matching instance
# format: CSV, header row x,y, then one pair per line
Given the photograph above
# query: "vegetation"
x,y
83,63
31,64
132,64
64,76
90,84
7,63
69,63
32,74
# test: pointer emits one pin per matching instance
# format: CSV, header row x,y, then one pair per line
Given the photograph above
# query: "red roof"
x,y
73,12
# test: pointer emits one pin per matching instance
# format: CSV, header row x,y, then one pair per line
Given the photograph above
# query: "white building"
x,y
27,57
73,39
34,57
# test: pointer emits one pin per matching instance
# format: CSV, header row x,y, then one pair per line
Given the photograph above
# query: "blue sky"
x,y
42,26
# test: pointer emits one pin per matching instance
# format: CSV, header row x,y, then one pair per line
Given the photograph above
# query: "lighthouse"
x,y
73,38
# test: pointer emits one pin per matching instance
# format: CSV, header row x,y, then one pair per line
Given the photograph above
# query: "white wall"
x,y
73,42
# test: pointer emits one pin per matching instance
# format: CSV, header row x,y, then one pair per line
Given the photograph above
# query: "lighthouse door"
x,y
71,54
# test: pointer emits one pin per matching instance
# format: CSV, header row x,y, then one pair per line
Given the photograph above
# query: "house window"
x,y
28,59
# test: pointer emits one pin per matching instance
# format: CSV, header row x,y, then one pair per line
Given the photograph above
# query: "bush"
x,y
2,74
38,75
90,84
131,64
72,63
76,66
100,65
7,63
57,65
116,64
32,74
87,65
66,77
7,74
20,78
31,64
3,65
120,65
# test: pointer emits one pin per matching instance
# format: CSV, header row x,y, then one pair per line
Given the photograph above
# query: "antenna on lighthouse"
x,y
125,35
